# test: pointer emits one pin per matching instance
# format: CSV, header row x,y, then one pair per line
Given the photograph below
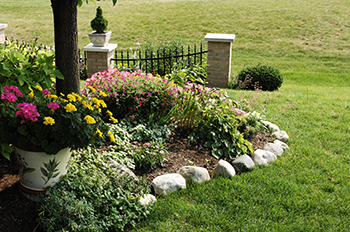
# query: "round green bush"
x,y
262,77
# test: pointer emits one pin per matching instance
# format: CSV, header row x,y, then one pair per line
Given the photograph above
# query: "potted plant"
x,y
99,37
43,128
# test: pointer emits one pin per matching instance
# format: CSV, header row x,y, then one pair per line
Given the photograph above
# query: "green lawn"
x,y
307,189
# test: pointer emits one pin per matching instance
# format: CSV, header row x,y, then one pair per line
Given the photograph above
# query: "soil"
x,y
17,213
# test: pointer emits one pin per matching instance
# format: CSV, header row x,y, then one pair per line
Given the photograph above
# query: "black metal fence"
x,y
161,61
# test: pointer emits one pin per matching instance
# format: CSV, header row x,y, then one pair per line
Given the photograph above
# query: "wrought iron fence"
x,y
160,61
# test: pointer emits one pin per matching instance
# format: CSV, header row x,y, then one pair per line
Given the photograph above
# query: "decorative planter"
x,y
39,170
100,39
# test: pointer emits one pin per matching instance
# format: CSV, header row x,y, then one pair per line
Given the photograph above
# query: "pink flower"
x,y
143,156
132,117
46,91
53,105
27,111
161,152
149,94
148,144
153,153
11,93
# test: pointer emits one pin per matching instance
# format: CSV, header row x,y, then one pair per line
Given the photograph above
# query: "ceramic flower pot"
x,y
39,170
100,39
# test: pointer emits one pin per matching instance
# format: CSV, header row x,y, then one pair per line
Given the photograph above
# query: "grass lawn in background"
x,y
307,189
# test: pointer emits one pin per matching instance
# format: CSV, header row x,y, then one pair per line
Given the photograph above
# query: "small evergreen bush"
x,y
99,23
263,77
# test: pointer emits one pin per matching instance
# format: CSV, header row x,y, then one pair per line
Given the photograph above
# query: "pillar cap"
x,y
212,37
108,48
3,25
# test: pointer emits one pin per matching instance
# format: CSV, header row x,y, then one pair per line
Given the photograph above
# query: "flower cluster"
x,y
150,154
47,122
132,95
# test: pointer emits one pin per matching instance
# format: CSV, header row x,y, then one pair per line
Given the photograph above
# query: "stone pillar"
x,y
2,32
99,58
219,59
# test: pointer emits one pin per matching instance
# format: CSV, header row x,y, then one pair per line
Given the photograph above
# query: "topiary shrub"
x,y
262,77
99,23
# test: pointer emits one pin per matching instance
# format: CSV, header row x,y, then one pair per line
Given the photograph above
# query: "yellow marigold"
x,y
103,104
103,94
70,108
111,136
99,133
77,96
31,94
89,119
62,94
51,96
92,88
71,98
49,121
109,113
114,120
38,87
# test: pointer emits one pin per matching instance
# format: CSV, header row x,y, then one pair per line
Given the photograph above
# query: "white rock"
x,y
262,157
275,148
271,126
148,199
168,183
243,163
281,135
121,169
225,169
283,145
194,174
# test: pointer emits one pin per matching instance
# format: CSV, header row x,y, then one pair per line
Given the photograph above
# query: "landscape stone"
x,y
272,127
275,148
283,145
243,163
262,157
281,135
194,174
147,199
224,169
168,183
121,169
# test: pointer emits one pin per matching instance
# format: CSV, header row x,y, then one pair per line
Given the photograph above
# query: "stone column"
x,y
99,58
2,32
219,59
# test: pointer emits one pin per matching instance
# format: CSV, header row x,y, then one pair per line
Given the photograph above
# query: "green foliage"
x,y
91,197
262,77
27,65
194,73
149,155
99,23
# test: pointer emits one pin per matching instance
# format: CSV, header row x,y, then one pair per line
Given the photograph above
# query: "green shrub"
x,y
99,23
262,77
149,155
91,197
27,65
195,73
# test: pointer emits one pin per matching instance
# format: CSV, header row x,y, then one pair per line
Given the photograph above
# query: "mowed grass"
x,y
307,189
298,35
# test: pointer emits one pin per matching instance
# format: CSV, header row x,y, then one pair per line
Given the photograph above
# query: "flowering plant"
x,y
46,122
133,95
150,154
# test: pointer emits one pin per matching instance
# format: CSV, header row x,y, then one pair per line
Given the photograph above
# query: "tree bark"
x,y
66,45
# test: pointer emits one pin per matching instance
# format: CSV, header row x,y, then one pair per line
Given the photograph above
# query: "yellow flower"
x,y
103,104
31,94
51,96
114,120
71,98
38,87
89,119
111,136
49,121
62,94
109,113
70,108
103,94
92,88
98,132
77,96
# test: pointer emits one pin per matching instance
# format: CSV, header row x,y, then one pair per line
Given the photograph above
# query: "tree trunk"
x,y
66,44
